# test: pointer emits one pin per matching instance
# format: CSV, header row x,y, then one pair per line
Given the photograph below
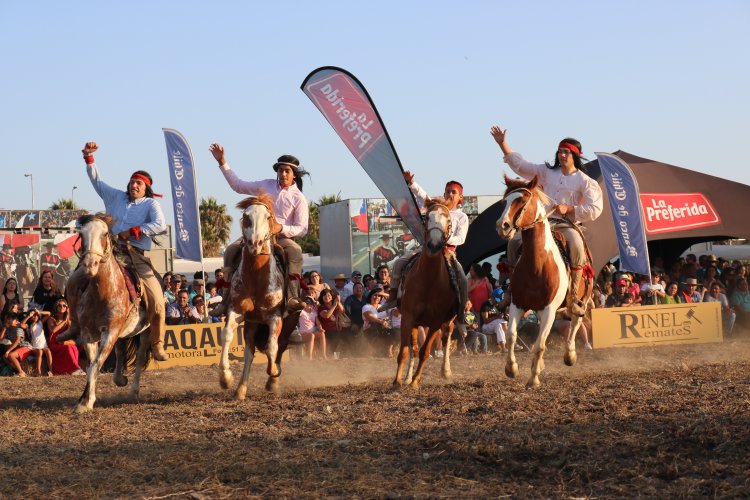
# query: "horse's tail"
x,y
131,350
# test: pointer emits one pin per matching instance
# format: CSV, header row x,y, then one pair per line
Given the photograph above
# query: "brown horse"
x,y
429,298
540,277
107,316
257,295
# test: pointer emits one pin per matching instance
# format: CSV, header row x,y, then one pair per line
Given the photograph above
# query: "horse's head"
x,y
96,242
437,225
524,207
258,223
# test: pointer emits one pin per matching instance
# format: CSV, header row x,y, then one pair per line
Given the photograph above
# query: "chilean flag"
x,y
359,217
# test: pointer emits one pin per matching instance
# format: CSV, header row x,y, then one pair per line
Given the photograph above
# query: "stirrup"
x,y
157,351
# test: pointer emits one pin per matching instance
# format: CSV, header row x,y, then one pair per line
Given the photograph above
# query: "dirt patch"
x,y
657,422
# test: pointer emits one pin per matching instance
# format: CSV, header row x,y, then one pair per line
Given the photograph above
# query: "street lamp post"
x,y
31,177
71,193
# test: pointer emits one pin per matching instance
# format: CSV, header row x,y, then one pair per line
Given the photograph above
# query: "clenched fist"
x,y
89,149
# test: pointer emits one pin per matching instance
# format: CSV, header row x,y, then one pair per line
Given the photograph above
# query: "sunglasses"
x,y
62,306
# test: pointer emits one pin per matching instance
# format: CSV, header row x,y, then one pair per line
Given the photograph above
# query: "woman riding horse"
x,y
137,217
578,198
290,207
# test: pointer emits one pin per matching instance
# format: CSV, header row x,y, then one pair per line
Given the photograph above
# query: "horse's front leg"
x,y
447,333
546,318
249,330
570,343
511,366
140,363
407,330
97,353
272,350
424,353
227,335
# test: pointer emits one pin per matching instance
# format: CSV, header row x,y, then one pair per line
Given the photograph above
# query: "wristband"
x,y
89,159
135,232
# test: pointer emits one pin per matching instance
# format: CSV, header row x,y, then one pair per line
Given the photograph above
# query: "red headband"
x,y
457,186
570,146
146,181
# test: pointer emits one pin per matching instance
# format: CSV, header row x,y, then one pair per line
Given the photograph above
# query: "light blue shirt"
x,y
144,212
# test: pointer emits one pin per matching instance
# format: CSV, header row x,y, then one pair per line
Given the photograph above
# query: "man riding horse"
x,y
453,196
137,217
290,208
578,198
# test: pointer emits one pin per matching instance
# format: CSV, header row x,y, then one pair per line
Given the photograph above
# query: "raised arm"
x,y
237,184
419,193
515,161
104,190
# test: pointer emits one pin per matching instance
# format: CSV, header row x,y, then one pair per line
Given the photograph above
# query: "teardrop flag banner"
x,y
627,213
347,106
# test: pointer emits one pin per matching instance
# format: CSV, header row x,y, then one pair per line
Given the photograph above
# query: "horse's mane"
x,y
432,202
88,218
514,184
262,199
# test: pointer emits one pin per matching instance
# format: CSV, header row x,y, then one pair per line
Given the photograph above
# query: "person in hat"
x,y
621,296
198,289
349,287
137,217
383,253
49,259
454,197
689,292
339,283
578,199
290,208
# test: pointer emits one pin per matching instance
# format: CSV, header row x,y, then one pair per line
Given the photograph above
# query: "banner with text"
x,y
200,344
184,197
657,325
347,106
627,216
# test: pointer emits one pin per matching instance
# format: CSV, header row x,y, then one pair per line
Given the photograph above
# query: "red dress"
x,y
328,324
479,295
64,357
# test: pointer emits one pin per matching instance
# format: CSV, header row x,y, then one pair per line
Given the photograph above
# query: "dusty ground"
x,y
655,422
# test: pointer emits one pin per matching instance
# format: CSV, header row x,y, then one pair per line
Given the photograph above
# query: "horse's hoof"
x,y
225,379
447,375
272,385
240,393
121,381
533,383
396,386
511,370
570,358
414,386
82,409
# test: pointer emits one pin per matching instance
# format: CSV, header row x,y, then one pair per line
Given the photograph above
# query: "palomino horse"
x,y
257,294
540,278
429,297
106,314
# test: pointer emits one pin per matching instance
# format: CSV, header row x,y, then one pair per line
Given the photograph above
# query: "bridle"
x,y
103,256
267,238
445,234
539,218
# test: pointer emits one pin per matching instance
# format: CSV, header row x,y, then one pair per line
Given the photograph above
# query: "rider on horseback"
x,y
137,217
290,207
578,198
453,195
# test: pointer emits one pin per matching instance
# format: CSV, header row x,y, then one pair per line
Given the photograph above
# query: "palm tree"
x,y
215,226
64,204
310,243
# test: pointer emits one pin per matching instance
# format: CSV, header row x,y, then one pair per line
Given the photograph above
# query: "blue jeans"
x,y
474,339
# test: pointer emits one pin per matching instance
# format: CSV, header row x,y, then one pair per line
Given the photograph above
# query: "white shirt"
x,y
576,189
459,220
371,309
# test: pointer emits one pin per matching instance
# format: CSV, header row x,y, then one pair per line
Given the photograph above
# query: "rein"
x,y
268,237
104,256
446,234
519,214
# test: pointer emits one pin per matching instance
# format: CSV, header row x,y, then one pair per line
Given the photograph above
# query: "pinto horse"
x,y
540,278
107,316
429,297
257,295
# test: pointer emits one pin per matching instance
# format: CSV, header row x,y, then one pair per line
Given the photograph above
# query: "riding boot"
x,y
293,302
574,304
157,348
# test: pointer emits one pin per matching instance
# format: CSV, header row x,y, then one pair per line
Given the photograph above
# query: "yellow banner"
x,y
200,344
654,325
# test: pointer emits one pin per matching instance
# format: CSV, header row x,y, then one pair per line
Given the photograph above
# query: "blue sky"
x,y
665,80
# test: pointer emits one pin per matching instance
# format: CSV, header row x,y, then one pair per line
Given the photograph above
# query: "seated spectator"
x,y
479,288
474,338
622,297
199,303
354,305
46,292
383,276
18,348
671,295
170,295
329,309
652,292
487,272
493,323
356,278
315,285
64,356
369,283
215,302
10,295
166,281
740,301
374,322
689,293
340,282
34,327
311,329
728,316
199,288
180,312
